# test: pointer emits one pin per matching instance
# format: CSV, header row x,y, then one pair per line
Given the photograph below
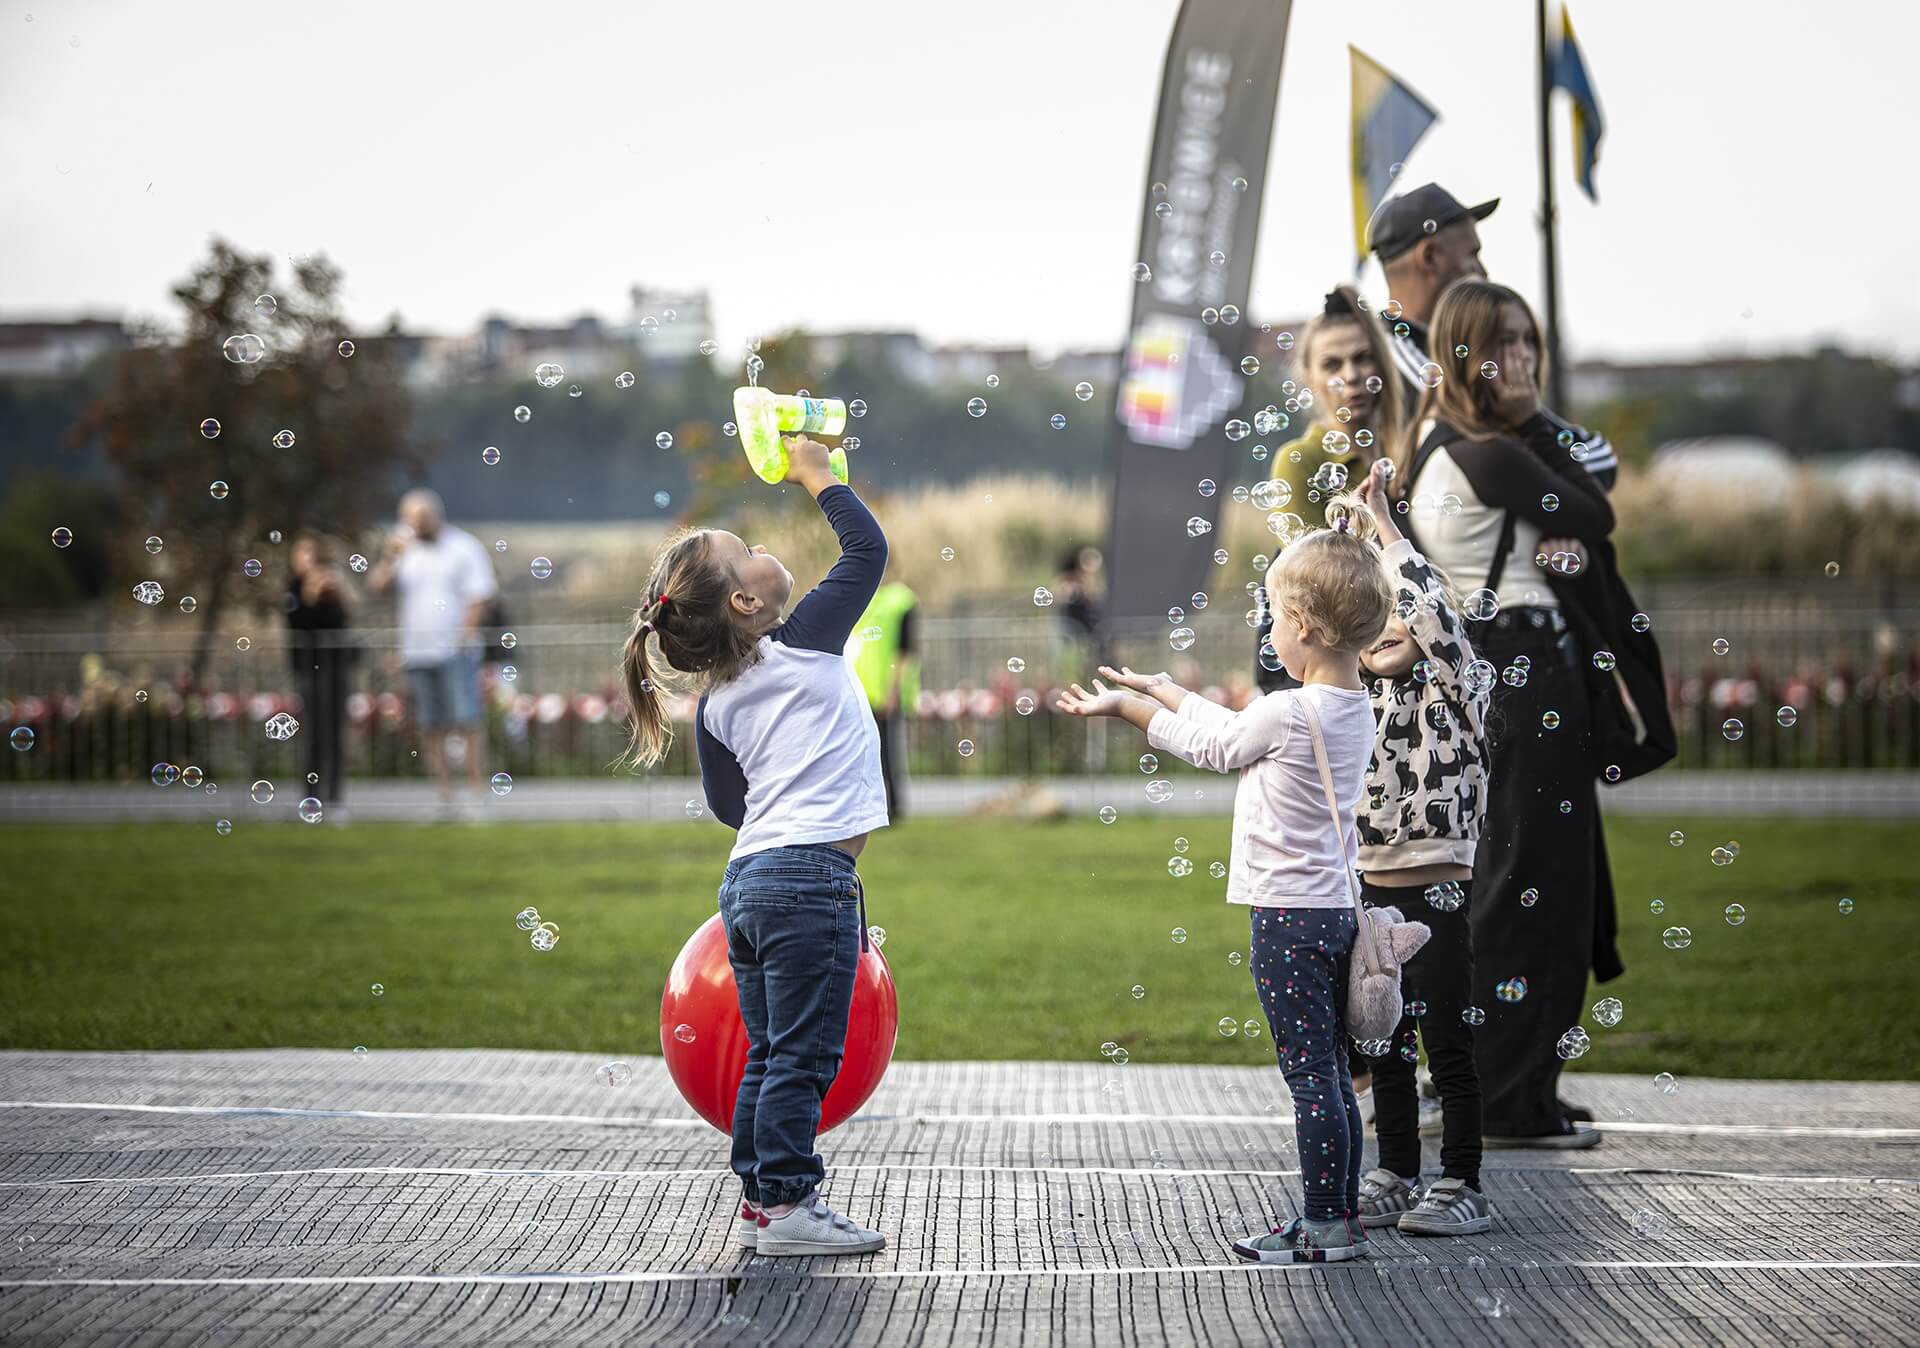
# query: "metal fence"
x,y
108,705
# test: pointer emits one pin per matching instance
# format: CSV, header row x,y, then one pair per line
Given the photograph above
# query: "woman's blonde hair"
x,y
687,614
1389,404
1331,581
1467,316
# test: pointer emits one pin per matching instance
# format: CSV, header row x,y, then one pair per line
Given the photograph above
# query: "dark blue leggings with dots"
x,y
1300,958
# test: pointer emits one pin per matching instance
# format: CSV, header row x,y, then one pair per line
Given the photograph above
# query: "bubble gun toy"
x,y
762,415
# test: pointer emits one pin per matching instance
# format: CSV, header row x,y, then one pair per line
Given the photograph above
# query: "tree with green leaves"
x,y
288,371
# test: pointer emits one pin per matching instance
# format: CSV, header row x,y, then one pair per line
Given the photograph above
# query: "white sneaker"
x,y
815,1228
1365,1100
746,1226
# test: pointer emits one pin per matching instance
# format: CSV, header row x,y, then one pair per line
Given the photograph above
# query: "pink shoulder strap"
x,y
1365,947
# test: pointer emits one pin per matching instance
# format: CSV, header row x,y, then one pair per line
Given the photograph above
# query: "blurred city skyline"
x,y
976,182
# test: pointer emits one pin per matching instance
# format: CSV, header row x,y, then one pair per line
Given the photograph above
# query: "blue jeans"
x,y
1300,959
794,920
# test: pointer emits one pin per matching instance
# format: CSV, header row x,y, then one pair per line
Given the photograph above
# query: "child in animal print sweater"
x,y
1419,823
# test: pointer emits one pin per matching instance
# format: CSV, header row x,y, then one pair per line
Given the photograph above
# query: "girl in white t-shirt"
x,y
789,757
1330,602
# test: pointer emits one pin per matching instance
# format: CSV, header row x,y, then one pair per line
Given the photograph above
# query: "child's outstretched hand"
x,y
807,461
1140,683
1373,495
1102,701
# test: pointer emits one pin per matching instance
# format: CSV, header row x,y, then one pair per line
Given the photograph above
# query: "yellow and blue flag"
x,y
1570,73
1388,120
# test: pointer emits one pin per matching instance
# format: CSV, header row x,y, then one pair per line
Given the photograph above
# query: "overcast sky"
x,y
970,171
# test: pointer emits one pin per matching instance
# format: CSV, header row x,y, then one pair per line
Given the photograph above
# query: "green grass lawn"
x,y
1007,940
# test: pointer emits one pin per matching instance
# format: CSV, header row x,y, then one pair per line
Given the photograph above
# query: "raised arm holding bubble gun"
x,y
789,756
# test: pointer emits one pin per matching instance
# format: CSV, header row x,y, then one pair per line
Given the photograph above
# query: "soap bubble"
x,y
1430,375
1180,868
283,439
1198,526
262,792
21,738
1249,365
1608,1011
1604,661
976,407
502,783
1149,764
1648,1224
1573,1044
1786,717
1550,720
1416,1009
1732,728
1735,914
1641,622
164,774
684,1033
1220,556
1108,814
1721,645
965,748
252,567
614,1074
1058,421
1159,791
265,305
345,348
664,440
527,918
541,567
210,428
876,936
1217,869
1473,1015
1446,897
1024,704
281,726
544,937
223,827
1846,907
948,554
1015,665
694,809
1228,1027
1180,638
1138,991
244,349
62,536
1511,990
624,379
1722,856
1666,1082
1676,837
1656,906
547,374
1676,938
1083,391
1530,896
1550,502
310,810
1179,935
490,455
523,414
149,592
357,564
192,776
1208,486
378,989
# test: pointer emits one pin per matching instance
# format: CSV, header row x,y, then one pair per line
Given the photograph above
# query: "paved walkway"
x,y
1882,795
463,1197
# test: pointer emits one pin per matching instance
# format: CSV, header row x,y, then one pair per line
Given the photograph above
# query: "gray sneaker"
x,y
1384,1197
1449,1208
815,1228
1303,1242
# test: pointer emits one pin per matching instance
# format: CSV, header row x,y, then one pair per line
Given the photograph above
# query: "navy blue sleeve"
x,y
720,776
824,619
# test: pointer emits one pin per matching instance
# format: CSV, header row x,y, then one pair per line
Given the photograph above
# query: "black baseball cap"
x,y
1401,221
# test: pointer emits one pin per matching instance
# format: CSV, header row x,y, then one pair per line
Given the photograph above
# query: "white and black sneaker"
x,y
814,1228
1385,1198
1449,1208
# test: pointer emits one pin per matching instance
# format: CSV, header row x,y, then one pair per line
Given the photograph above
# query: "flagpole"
x,y
1549,221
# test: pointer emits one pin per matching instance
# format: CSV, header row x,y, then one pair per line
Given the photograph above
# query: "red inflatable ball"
x,y
705,1041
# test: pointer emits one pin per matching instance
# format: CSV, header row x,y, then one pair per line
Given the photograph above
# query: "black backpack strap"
x,y
1436,440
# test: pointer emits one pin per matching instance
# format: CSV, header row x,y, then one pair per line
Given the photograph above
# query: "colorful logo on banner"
x,y
1176,384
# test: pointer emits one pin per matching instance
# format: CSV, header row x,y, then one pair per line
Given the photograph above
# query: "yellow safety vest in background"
x,y
874,656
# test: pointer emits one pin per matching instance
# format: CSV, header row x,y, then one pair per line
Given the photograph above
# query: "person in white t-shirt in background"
x,y
445,580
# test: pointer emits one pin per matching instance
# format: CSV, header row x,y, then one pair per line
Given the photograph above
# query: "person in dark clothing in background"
x,y
321,657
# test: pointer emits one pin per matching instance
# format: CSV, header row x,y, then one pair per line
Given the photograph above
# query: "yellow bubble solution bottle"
x,y
763,415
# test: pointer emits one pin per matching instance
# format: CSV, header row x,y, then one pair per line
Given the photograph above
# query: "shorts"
x,y
446,694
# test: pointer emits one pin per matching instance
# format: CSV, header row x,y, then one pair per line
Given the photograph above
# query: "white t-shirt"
x,y
1285,854
437,581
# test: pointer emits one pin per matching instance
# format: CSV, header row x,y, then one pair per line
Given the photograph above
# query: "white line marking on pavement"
x,y
901,1275
716,1172
1270,1121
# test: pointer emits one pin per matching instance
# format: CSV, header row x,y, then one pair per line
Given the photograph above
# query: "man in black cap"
x,y
1426,240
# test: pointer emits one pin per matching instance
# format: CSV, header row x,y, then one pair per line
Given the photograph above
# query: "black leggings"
x,y
1441,976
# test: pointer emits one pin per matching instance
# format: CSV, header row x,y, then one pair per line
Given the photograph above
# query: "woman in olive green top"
x,y
1356,400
